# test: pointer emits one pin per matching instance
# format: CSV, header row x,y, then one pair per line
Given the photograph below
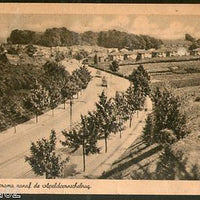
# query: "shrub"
x,y
197,99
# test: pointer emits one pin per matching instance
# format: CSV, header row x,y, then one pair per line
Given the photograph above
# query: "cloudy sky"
x,y
160,26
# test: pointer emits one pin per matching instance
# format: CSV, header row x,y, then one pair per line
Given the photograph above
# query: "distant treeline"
x,y
64,37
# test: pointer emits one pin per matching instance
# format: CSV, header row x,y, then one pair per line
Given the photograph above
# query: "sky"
x,y
159,26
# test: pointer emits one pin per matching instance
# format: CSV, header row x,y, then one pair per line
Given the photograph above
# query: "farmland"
x,y
178,74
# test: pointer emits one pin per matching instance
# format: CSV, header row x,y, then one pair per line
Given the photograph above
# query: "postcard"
x,y
99,99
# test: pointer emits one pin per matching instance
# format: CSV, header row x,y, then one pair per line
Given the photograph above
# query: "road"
x,y
96,164
15,146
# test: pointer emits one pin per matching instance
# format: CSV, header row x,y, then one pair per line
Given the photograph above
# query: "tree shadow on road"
x,y
137,155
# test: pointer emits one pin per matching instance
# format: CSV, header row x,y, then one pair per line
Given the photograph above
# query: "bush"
x,y
197,99
114,66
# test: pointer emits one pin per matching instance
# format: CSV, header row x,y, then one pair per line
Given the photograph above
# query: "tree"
x,y
134,101
114,66
148,130
37,100
85,135
95,59
140,80
195,45
14,113
120,109
188,37
44,160
82,76
54,98
167,114
105,117
30,50
59,56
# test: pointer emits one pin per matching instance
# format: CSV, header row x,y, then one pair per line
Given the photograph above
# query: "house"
x,y
111,50
116,56
195,52
143,54
101,57
13,59
129,55
182,51
160,53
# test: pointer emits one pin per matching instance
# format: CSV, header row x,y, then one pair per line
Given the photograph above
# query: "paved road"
x,y
15,146
96,164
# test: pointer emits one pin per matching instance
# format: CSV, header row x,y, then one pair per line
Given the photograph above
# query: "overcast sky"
x,y
160,26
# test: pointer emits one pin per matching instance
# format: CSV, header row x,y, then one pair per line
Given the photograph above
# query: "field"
x,y
173,67
178,74
161,60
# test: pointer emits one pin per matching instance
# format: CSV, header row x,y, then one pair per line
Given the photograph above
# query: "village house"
x,y
183,51
161,53
143,54
13,59
115,56
101,57
171,52
195,52
111,50
130,55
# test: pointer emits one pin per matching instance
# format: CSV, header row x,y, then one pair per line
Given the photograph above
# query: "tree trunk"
x,y
47,176
15,130
120,130
106,147
52,112
70,114
83,156
130,123
36,118
64,103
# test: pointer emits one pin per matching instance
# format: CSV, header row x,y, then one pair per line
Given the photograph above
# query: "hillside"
x,y
64,37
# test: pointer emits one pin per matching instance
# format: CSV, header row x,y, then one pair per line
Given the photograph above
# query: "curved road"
x,y
15,146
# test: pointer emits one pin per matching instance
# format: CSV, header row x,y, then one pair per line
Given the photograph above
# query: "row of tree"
x,y
61,86
108,118
64,37
26,90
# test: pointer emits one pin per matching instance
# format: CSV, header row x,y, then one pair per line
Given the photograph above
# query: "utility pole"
x,y
83,152
70,103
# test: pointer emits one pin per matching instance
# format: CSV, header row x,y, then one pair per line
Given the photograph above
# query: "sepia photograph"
x,y
92,94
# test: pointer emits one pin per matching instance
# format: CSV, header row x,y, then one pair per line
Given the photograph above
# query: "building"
x,y
195,52
130,55
143,54
182,51
160,53
101,57
118,56
13,59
